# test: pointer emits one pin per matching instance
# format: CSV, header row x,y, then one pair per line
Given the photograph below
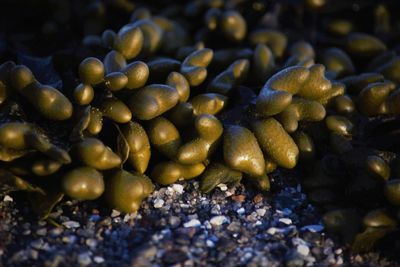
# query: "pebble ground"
x,y
179,226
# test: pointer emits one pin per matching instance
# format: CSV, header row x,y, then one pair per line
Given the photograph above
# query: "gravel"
x,y
179,226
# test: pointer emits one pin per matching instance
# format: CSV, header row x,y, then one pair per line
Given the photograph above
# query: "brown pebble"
x,y
258,198
239,198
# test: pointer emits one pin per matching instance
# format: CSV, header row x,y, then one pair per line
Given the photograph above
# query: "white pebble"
x,y
8,198
207,225
158,203
71,224
223,187
240,211
303,250
218,220
178,188
192,223
261,212
98,259
272,230
115,213
229,193
285,221
210,244
338,251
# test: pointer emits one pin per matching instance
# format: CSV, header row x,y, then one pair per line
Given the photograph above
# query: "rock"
x,y
174,221
222,187
261,212
303,250
98,259
41,231
158,203
84,259
192,223
240,211
286,221
258,198
178,188
71,224
218,220
7,198
239,198
115,213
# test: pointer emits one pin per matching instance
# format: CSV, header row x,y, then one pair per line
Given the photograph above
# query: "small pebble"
x,y
192,223
69,239
285,221
261,212
71,224
7,198
210,243
98,259
239,198
92,243
158,203
218,220
223,187
240,211
178,188
41,231
115,213
84,259
303,250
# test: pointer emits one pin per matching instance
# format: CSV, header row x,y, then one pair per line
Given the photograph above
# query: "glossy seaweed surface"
x,y
220,91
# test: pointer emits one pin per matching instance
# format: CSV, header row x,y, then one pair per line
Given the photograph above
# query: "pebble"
x,y
7,198
84,259
41,231
185,232
192,223
338,251
158,203
222,187
240,211
261,212
34,254
258,198
91,242
56,231
285,221
71,224
210,243
115,213
313,228
98,259
178,188
174,221
69,239
303,250
218,220
239,198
